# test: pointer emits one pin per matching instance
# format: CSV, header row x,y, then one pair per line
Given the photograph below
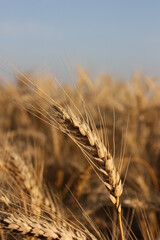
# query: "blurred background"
x,y
115,37
105,41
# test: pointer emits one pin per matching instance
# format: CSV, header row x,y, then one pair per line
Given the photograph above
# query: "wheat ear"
x,y
25,177
91,144
42,229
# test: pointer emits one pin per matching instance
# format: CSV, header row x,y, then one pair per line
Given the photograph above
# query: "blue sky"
x,y
116,37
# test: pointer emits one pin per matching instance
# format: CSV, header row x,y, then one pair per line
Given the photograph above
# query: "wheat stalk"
x,y
91,144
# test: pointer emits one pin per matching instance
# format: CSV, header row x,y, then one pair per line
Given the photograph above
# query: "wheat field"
x,y
79,161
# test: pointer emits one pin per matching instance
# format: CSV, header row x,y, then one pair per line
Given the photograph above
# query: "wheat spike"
x,y
42,229
82,133
90,142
